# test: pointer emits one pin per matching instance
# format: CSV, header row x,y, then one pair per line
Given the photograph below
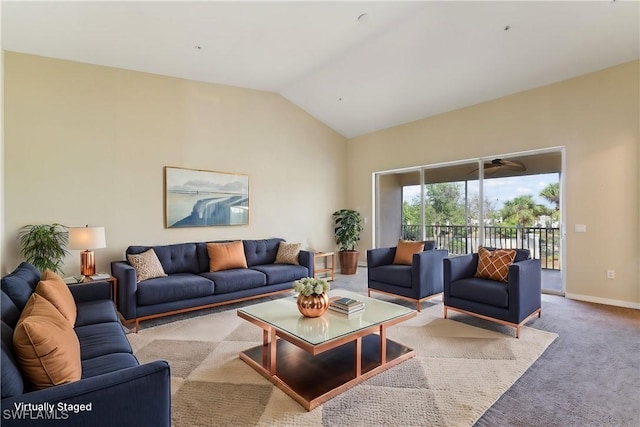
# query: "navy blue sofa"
x,y
512,303
190,285
120,391
416,282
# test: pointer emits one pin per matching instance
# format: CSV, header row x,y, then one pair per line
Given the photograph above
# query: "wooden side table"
x,y
329,264
110,279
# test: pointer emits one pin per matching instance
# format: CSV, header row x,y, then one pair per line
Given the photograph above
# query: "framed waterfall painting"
x,y
200,198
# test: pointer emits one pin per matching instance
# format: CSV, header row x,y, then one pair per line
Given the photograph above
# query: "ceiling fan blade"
x,y
513,165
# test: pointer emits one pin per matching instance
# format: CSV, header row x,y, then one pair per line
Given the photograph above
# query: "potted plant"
x,y
348,225
44,245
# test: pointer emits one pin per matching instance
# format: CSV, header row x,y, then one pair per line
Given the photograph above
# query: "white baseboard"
x,y
607,301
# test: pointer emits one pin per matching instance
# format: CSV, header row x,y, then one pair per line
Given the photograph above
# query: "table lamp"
x,y
87,238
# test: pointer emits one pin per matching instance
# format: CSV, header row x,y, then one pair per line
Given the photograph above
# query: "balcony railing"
x,y
542,242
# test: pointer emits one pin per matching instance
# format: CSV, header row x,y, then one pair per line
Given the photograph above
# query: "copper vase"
x,y
313,305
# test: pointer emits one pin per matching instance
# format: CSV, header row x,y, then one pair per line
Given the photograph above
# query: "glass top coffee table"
x,y
315,359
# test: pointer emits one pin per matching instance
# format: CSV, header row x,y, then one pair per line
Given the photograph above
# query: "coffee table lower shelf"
x,y
312,380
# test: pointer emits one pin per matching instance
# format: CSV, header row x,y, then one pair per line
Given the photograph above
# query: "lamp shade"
x,y
86,238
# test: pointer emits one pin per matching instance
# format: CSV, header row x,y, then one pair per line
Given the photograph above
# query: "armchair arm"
x,y
525,288
137,396
380,256
127,288
426,273
305,259
92,291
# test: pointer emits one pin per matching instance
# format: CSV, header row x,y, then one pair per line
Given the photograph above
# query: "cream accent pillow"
x,y
45,346
225,256
53,289
405,251
288,253
147,265
495,264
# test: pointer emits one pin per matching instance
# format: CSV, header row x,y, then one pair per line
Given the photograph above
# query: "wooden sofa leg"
x,y
518,332
445,311
418,306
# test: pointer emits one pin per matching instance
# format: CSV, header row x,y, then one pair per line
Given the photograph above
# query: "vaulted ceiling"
x,y
356,66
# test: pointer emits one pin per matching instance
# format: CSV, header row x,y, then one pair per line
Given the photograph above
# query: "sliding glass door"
x,y
511,202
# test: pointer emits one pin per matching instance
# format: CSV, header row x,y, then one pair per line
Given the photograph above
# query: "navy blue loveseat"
x,y
190,285
118,390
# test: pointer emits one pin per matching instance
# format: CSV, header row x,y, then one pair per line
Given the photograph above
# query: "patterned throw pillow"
x,y
53,289
495,264
405,251
225,256
147,265
288,253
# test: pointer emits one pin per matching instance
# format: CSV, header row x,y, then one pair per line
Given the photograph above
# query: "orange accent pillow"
x,y
46,347
405,251
225,256
54,290
495,264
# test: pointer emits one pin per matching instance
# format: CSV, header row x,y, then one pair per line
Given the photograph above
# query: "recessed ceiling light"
x,y
363,17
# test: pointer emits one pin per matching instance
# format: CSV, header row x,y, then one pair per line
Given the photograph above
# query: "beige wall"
x,y
595,117
87,144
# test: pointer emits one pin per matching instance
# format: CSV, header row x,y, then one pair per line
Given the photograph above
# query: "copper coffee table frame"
x,y
311,374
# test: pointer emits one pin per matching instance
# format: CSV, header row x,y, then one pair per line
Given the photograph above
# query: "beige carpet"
x,y
459,371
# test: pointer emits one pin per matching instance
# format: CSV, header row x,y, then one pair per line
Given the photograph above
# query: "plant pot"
x,y
348,262
313,305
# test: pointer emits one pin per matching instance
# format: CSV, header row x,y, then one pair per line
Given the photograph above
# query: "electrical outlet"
x,y
611,274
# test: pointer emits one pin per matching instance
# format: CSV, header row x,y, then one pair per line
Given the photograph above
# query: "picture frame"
x,y
202,198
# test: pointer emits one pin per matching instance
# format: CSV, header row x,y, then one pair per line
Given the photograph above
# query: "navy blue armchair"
x,y
512,303
416,282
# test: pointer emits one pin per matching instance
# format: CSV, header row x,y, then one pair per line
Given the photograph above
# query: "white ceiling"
x,y
407,61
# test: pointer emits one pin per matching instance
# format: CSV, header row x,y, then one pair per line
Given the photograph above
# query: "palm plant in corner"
x,y
348,225
44,245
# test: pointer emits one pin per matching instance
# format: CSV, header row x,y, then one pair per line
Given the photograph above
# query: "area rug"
x,y
459,371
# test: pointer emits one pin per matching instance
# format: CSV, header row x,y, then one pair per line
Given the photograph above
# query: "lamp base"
x,y
87,263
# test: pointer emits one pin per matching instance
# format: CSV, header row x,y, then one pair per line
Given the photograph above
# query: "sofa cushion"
x,y
226,256
236,280
10,313
95,311
483,291
173,288
107,363
12,383
45,345
288,253
147,265
405,251
393,273
260,252
53,288
20,284
100,339
282,273
494,265
178,258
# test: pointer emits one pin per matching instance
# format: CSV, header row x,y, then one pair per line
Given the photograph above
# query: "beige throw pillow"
x,y
54,290
147,265
225,256
405,251
288,253
46,347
